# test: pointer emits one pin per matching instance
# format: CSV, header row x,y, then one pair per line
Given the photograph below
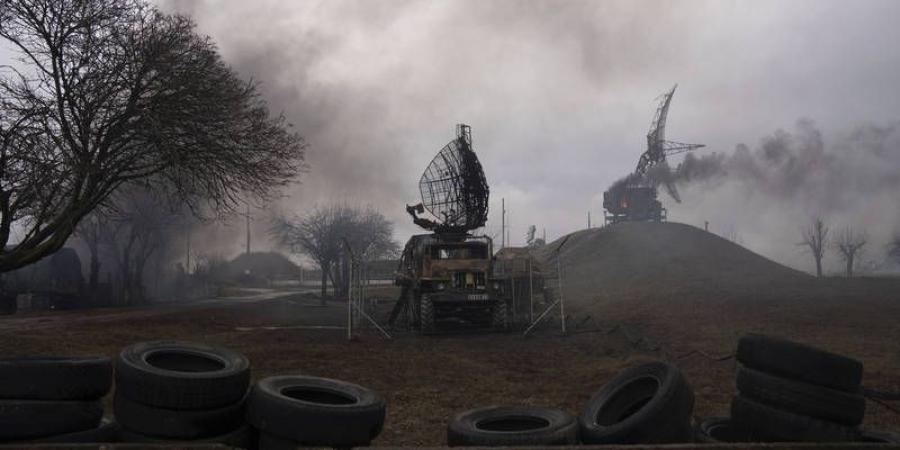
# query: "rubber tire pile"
x,y
54,400
648,404
178,392
790,392
193,393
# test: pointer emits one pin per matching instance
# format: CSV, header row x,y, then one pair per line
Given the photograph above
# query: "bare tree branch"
x,y
112,93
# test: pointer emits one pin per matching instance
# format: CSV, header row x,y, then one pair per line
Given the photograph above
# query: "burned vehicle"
x,y
446,277
448,281
634,198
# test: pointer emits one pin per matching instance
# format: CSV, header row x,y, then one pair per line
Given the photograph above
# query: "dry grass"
x,y
426,380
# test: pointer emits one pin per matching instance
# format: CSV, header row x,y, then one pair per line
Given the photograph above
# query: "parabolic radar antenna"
x,y
453,188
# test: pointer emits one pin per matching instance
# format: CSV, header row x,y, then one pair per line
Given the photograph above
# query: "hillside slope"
x,y
646,259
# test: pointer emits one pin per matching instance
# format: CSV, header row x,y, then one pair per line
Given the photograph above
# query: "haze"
x,y
560,96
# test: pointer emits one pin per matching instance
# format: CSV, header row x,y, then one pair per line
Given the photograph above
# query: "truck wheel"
x,y
800,362
179,375
499,319
61,378
777,425
316,411
648,404
426,315
801,398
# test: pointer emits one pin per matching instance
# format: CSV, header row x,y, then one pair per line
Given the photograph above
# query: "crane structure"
x,y
635,197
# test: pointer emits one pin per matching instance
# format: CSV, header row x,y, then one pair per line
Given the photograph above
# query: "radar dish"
x,y
453,187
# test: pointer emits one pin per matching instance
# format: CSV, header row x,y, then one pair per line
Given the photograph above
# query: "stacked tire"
x,y
790,392
293,411
510,426
182,392
647,404
55,400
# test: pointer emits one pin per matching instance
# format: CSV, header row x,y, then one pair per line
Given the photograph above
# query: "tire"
x,y
177,424
67,378
498,316
316,411
801,398
28,419
880,437
799,362
426,315
774,425
8,304
651,403
107,431
270,442
720,430
179,375
242,437
512,426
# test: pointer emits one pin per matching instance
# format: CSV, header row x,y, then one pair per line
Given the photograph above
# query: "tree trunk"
x,y
849,266
819,267
324,268
94,280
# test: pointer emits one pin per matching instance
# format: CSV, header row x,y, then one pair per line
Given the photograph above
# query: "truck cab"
x,y
447,281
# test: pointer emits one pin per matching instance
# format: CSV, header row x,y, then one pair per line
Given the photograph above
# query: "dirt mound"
x,y
646,259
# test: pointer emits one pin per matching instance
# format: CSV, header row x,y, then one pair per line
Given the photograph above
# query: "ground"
x,y
425,380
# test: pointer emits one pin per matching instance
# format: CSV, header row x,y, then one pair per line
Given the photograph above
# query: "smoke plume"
x,y
790,177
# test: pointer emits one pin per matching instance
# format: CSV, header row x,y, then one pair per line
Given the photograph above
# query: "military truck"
x,y
447,281
447,276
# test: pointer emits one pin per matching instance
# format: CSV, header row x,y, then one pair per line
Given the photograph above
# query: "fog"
x,y
560,96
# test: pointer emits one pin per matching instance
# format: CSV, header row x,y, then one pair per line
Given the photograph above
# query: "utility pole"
x,y
508,236
248,228
187,255
502,222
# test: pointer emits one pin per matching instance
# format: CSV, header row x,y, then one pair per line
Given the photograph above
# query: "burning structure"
x,y
446,277
634,198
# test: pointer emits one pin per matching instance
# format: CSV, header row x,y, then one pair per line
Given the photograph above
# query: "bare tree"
x,y
137,228
849,243
110,93
319,235
92,231
815,238
894,249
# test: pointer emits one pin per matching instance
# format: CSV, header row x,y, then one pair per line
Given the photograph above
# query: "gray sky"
x,y
560,95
